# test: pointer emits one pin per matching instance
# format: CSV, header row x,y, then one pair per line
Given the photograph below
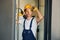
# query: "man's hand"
x,y
35,9
39,15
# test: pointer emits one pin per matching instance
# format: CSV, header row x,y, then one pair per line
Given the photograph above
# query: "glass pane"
x,y
19,18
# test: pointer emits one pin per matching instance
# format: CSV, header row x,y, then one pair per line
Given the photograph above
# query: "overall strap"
x,y
31,23
24,24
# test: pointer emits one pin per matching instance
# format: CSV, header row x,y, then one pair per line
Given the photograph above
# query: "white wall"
x,y
41,26
55,35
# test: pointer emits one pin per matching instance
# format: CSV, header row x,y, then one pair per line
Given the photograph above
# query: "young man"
x,y
30,23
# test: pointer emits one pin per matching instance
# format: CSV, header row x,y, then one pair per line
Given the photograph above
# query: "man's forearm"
x,y
40,16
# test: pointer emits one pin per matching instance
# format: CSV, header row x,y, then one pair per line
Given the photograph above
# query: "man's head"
x,y
28,10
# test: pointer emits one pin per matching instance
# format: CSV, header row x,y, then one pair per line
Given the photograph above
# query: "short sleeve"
x,y
34,26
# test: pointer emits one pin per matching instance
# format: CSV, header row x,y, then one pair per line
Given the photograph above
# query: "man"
x,y
30,23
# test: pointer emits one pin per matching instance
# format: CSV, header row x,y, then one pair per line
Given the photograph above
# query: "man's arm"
x,y
39,15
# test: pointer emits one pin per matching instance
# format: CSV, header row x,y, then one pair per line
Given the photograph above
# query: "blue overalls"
x,y
28,34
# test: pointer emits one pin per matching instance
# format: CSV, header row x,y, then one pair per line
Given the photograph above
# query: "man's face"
x,y
28,12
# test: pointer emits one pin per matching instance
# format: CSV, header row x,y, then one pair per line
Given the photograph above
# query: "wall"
x,y
41,26
6,19
24,2
55,29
